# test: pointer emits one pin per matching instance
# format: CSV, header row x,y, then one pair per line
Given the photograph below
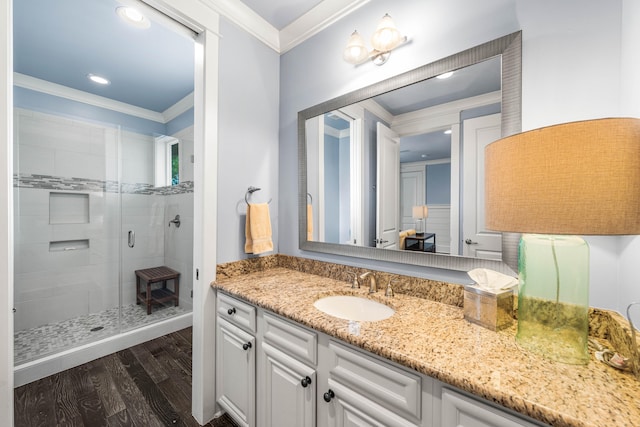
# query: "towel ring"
x,y
251,190
310,198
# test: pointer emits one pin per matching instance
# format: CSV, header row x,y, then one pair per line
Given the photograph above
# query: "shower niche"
x,y
68,208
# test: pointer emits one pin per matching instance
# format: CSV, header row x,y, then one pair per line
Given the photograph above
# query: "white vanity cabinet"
x,y
273,372
286,374
460,410
235,359
365,391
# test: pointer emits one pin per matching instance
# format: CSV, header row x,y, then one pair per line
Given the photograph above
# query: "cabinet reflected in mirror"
x,y
370,158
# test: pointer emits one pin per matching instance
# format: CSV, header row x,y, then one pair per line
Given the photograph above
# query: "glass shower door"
x,y
66,222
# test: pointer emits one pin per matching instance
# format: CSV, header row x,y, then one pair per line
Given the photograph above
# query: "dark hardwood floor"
x,y
147,385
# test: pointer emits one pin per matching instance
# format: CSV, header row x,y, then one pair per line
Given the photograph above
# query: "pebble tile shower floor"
x,y
34,343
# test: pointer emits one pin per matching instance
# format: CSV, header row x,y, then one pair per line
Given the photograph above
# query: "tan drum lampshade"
x,y
420,212
575,178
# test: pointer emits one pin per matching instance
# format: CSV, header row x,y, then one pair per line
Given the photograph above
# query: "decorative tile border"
x,y
49,182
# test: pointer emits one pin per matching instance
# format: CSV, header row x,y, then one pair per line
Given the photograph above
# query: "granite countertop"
x,y
433,338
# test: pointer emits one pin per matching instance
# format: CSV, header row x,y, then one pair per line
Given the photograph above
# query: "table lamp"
x,y
579,178
420,213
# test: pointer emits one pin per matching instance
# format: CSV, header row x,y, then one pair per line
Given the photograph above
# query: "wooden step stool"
x,y
160,295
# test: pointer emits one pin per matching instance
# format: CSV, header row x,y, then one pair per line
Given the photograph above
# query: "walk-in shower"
x,y
90,173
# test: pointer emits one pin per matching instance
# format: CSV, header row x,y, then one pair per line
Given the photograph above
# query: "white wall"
x,y
248,136
629,246
571,71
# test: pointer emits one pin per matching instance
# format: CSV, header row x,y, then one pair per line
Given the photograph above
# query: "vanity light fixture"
x,y
577,178
98,79
447,132
384,40
133,17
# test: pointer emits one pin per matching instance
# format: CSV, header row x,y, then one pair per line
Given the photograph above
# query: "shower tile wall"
x,y
54,154
178,242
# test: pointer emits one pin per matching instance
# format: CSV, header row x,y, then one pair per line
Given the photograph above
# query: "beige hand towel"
x,y
404,234
309,223
258,229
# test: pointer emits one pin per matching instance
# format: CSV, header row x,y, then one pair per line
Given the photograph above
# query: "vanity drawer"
x,y
237,312
396,389
292,339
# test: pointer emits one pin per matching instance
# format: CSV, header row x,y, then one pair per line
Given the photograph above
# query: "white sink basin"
x,y
354,308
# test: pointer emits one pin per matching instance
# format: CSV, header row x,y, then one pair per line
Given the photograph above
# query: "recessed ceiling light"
x,y
447,132
98,79
133,17
445,75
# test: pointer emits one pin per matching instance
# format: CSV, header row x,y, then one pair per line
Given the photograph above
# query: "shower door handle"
x,y
132,238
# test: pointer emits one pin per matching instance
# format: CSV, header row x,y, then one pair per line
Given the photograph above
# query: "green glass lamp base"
x,y
553,300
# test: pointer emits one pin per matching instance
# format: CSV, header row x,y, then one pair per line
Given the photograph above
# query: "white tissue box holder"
x,y
493,311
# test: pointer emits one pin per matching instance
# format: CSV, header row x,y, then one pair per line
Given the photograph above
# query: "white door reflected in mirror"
x,y
478,241
387,188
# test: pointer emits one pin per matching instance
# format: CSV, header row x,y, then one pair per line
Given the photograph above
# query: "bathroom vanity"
x,y
280,361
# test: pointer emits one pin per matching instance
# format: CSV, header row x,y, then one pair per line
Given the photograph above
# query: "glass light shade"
x,y
386,37
356,51
553,300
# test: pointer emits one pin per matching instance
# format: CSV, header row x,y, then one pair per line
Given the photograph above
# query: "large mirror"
x,y
394,171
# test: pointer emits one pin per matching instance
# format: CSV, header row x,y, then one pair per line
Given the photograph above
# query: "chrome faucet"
x,y
373,286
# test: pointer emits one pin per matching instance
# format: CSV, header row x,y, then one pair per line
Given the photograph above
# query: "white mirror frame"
x,y
510,49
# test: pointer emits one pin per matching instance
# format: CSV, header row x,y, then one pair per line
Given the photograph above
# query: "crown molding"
x,y
378,110
440,116
43,86
178,108
55,89
244,17
431,118
317,19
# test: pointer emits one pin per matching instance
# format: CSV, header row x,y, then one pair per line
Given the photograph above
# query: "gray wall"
x,y
331,189
248,136
566,47
439,184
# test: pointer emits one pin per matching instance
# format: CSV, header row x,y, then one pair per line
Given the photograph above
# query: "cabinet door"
x,y
287,393
235,372
395,389
459,410
350,409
